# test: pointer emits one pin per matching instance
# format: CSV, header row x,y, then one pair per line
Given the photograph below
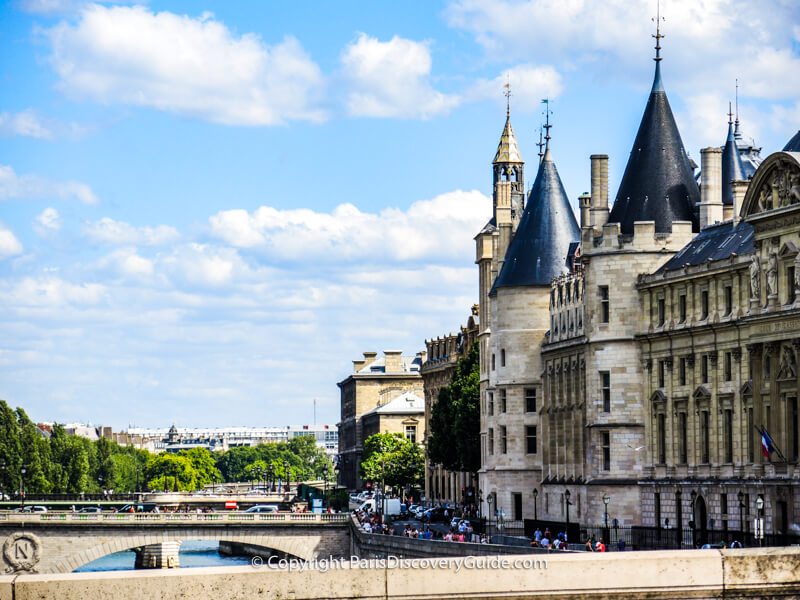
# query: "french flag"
x,y
766,443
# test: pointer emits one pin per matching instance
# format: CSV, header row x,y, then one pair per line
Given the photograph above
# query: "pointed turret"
x,y
509,172
732,167
539,249
658,184
507,150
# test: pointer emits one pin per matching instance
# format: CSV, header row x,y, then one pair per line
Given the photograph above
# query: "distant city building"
x,y
220,439
367,406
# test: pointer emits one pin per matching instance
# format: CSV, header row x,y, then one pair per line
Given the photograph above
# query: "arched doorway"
x,y
700,522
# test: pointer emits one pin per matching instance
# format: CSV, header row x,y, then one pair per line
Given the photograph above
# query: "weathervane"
x,y
508,95
658,34
547,125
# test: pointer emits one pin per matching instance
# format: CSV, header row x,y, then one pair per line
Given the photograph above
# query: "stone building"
x,y
626,367
374,383
405,415
442,354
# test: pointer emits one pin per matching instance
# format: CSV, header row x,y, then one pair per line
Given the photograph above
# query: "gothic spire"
x,y
507,150
732,167
658,184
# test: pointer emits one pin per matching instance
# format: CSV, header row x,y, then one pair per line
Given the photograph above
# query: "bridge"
x,y
60,542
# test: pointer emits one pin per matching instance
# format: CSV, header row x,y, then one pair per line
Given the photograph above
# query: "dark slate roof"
x,y
658,184
794,144
539,249
732,167
713,243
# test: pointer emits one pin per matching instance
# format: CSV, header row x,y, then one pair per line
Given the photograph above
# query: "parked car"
x,y
141,507
416,510
263,508
30,509
90,509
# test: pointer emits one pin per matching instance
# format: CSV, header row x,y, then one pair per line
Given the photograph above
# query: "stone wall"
x,y
732,574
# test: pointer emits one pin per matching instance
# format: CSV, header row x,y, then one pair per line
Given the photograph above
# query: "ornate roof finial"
x,y
547,126
736,133
658,34
508,95
730,113
540,144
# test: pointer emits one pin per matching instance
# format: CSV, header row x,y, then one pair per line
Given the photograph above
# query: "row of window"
x,y
705,359
530,401
502,441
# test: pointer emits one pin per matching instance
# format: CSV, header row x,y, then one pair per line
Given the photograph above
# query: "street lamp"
x,y
535,504
760,524
606,499
288,472
567,505
22,472
3,480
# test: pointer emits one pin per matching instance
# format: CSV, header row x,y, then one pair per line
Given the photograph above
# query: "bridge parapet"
x,y
315,519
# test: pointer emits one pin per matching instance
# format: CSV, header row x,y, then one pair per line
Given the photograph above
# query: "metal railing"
x,y
226,517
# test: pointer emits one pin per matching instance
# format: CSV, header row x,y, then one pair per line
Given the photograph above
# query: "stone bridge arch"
x,y
304,547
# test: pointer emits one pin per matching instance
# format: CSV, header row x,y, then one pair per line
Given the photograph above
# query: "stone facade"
x,y
442,354
373,383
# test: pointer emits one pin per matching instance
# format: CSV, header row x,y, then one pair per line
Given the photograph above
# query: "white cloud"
x,y
47,221
29,186
26,124
443,226
51,292
126,262
190,66
111,232
707,45
392,79
9,244
529,85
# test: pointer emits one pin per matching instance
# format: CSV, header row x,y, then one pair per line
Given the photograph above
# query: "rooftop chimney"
x,y
393,361
599,210
710,186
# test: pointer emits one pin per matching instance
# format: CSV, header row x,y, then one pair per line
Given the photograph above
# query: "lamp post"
x,y
22,472
740,496
271,472
606,500
760,522
287,473
567,504
535,504
489,500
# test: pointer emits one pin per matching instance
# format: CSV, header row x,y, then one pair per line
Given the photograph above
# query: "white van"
x,y
391,506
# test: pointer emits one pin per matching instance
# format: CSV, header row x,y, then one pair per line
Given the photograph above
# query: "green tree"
x,y
454,436
231,464
10,451
33,446
392,459
105,470
203,464
168,471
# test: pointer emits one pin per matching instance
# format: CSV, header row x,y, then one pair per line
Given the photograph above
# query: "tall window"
x,y
530,437
683,371
604,304
750,443
411,433
704,436
703,304
502,357
728,300
728,435
502,401
606,451
661,312
490,403
530,400
723,505
704,368
503,440
728,368
494,364
682,308
793,428
790,296
490,436
662,439
661,371
605,383
683,443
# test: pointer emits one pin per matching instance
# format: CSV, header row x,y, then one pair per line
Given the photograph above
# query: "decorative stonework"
x,y
22,551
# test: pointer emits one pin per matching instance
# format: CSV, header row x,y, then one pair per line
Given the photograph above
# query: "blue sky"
x,y
209,209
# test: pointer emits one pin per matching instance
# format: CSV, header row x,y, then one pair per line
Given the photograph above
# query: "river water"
x,y
194,553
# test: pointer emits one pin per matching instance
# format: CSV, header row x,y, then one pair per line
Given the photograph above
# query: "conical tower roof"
x,y
658,184
507,150
732,167
539,249
793,145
